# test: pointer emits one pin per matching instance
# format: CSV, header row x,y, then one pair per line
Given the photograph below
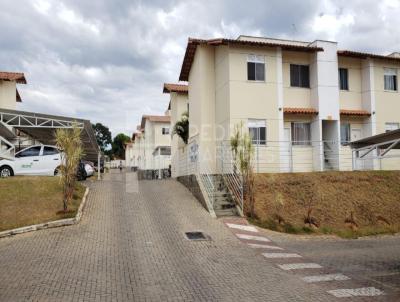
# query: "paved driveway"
x,y
130,246
374,261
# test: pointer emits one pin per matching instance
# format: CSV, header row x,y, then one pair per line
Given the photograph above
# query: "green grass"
x,y
27,200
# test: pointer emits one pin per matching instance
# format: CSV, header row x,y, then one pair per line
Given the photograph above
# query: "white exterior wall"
x,y
220,94
179,105
8,95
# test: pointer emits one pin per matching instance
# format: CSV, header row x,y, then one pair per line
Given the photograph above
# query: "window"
x,y
301,134
33,151
165,130
344,79
299,76
257,131
390,78
391,126
255,68
49,150
344,133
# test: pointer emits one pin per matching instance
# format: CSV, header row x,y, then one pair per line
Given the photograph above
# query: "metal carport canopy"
x,y
43,126
384,141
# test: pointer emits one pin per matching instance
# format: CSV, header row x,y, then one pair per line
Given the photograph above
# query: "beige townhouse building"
x,y
302,102
150,149
178,105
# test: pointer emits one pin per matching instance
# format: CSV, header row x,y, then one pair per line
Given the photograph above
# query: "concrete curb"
x,y
50,224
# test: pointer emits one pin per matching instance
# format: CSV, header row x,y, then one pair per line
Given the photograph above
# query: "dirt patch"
x,y
350,204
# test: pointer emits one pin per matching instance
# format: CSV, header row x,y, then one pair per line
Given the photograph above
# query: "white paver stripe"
x,y
242,227
252,237
327,277
356,292
292,266
280,255
264,246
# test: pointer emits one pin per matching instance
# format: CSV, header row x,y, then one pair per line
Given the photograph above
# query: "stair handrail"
x,y
234,178
206,178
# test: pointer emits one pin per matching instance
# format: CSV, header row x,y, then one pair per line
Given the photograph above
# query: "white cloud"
x,y
107,60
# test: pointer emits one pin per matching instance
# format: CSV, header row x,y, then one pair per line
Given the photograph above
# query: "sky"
x,y
107,60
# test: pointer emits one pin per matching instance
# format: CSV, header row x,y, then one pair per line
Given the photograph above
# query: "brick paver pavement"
x,y
131,247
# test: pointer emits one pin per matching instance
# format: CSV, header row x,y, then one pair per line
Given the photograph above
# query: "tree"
x,y
181,127
103,136
118,145
242,149
69,142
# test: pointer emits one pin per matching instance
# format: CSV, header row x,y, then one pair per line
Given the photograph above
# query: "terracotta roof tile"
x,y
18,77
354,112
365,55
168,88
192,45
291,110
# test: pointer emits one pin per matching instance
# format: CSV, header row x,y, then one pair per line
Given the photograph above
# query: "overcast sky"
x,y
106,60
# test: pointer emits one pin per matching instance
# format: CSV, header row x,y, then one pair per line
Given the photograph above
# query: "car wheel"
x,y
57,171
6,171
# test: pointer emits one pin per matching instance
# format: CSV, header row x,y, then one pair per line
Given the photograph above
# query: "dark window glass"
x,y
344,133
33,151
251,71
49,151
299,76
390,82
343,79
255,68
258,135
165,131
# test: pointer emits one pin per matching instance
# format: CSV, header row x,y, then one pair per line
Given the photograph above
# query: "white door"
x,y
49,160
355,134
27,162
286,155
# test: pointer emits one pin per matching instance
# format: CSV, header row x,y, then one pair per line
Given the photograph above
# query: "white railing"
x,y
307,156
206,177
230,172
7,149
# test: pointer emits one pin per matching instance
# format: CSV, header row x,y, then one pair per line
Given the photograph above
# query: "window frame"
x,y
293,133
348,133
165,131
386,73
301,67
257,124
346,88
56,151
397,126
257,60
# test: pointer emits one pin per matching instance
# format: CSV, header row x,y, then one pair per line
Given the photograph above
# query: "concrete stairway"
x,y
223,202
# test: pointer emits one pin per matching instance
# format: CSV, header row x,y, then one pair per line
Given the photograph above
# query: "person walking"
x,y
120,166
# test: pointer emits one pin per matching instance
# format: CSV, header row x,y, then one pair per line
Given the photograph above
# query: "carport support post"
x,y
159,163
98,166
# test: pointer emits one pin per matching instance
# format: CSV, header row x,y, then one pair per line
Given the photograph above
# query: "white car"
x,y
89,170
35,160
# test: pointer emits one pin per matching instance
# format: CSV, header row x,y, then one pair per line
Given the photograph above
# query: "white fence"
x,y
307,156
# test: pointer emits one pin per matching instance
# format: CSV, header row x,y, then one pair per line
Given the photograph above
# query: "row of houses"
x,y
302,102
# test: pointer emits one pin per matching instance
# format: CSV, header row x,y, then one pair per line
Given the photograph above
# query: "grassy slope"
x,y
334,195
27,200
